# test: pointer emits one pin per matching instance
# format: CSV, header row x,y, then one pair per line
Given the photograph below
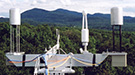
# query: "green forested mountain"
x,y
34,39
62,17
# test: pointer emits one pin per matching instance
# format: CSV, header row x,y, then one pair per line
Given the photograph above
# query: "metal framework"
x,y
52,62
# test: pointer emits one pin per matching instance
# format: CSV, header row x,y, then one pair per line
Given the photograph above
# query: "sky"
x,y
89,6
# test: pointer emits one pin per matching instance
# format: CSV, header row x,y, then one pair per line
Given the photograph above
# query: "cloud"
x,y
37,2
41,1
129,9
91,6
4,14
66,2
34,3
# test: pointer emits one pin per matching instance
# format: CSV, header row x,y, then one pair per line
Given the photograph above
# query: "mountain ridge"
x,y
64,17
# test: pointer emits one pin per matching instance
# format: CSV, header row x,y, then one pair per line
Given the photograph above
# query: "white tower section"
x,y
85,31
58,38
15,21
116,16
15,16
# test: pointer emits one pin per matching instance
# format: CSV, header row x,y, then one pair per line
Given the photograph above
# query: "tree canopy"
x,y
34,39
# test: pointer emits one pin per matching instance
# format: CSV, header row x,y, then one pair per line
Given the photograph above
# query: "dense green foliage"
x,y
34,39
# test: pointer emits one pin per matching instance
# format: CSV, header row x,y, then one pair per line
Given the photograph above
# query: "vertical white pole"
x,y
83,21
11,39
86,21
18,38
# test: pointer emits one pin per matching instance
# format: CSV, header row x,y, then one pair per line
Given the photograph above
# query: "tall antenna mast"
x,y
58,36
116,20
14,26
85,31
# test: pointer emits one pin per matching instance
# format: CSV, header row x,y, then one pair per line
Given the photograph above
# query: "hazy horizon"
x,y
90,6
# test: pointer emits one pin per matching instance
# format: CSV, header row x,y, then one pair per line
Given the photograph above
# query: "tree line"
x,y
34,39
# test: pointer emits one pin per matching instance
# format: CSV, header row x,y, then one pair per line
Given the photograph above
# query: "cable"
x,y
63,50
83,62
86,62
19,61
58,61
62,63
27,61
46,72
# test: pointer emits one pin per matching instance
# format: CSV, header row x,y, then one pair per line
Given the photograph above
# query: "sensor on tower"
x,y
85,31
